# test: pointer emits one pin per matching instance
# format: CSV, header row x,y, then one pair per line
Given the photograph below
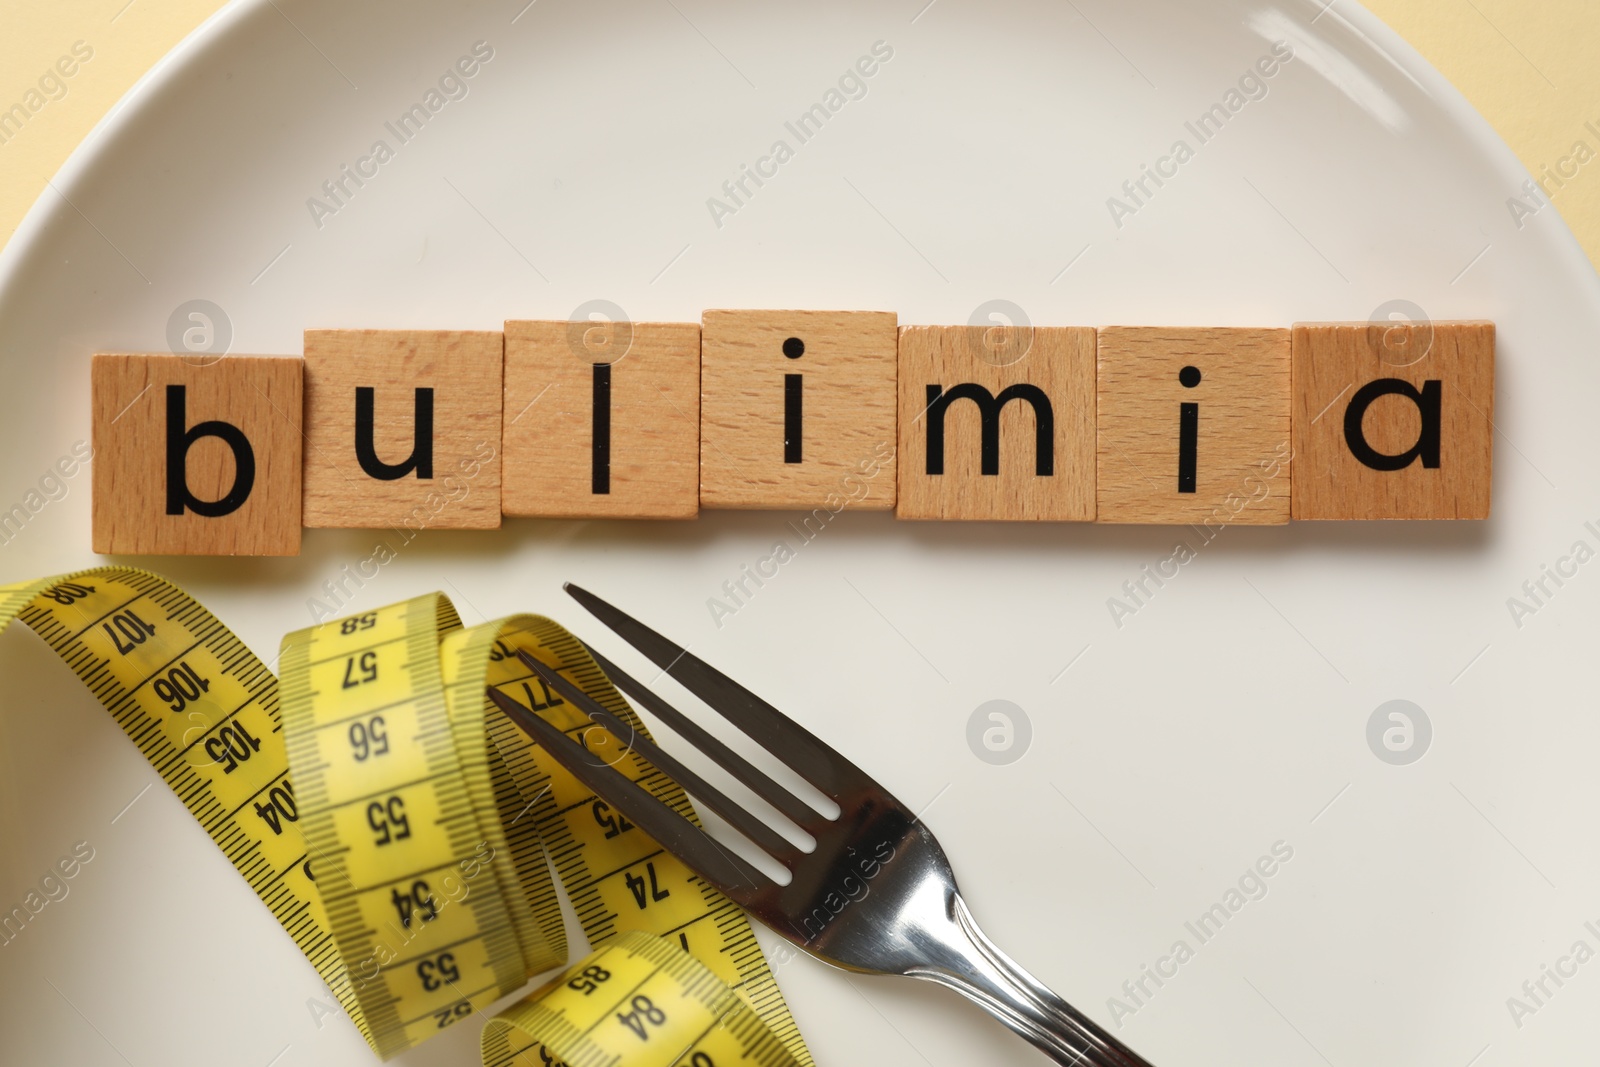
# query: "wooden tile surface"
x,y
449,479
1193,425
792,403
196,457
602,426
1393,421
997,428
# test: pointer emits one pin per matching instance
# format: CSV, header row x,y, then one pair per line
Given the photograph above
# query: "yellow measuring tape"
x,y
403,833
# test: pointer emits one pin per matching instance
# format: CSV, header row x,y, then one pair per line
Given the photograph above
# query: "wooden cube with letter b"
x,y
997,422
797,409
602,420
403,428
1393,420
195,455
1193,425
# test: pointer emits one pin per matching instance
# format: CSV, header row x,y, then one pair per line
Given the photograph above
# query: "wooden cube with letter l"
x,y
997,422
403,428
196,456
1193,425
797,409
1393,420
602,420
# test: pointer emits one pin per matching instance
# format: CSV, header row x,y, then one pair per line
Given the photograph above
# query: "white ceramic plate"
x,y
1167,755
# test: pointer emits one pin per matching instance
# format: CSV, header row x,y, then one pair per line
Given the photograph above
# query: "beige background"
x,y
1524,64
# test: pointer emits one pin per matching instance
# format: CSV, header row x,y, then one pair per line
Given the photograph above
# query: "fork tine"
x,y
762,835
795,809
774,731
735,878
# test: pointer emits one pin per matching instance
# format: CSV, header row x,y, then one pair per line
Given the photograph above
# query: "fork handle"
x,y
973,966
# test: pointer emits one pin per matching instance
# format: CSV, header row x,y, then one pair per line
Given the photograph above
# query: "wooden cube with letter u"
x,y
403,428
997,423
797,409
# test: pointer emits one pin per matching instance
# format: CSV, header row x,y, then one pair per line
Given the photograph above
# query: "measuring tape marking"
x,y
487,815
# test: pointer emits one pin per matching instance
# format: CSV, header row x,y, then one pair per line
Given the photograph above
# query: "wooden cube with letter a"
x,y
602,420
1393,420
997,422
196,456
1193,425
403,428
797,409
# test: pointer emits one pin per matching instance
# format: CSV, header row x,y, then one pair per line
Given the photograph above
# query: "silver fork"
x,y
876,894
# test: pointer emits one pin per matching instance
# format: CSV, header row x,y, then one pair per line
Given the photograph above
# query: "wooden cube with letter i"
x,y
797,409
403,429
196,456
1193,425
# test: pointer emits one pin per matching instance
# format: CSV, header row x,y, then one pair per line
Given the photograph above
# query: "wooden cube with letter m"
x,y
997,422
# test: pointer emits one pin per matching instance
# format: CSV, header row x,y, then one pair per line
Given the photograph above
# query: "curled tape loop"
x,y
404,835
